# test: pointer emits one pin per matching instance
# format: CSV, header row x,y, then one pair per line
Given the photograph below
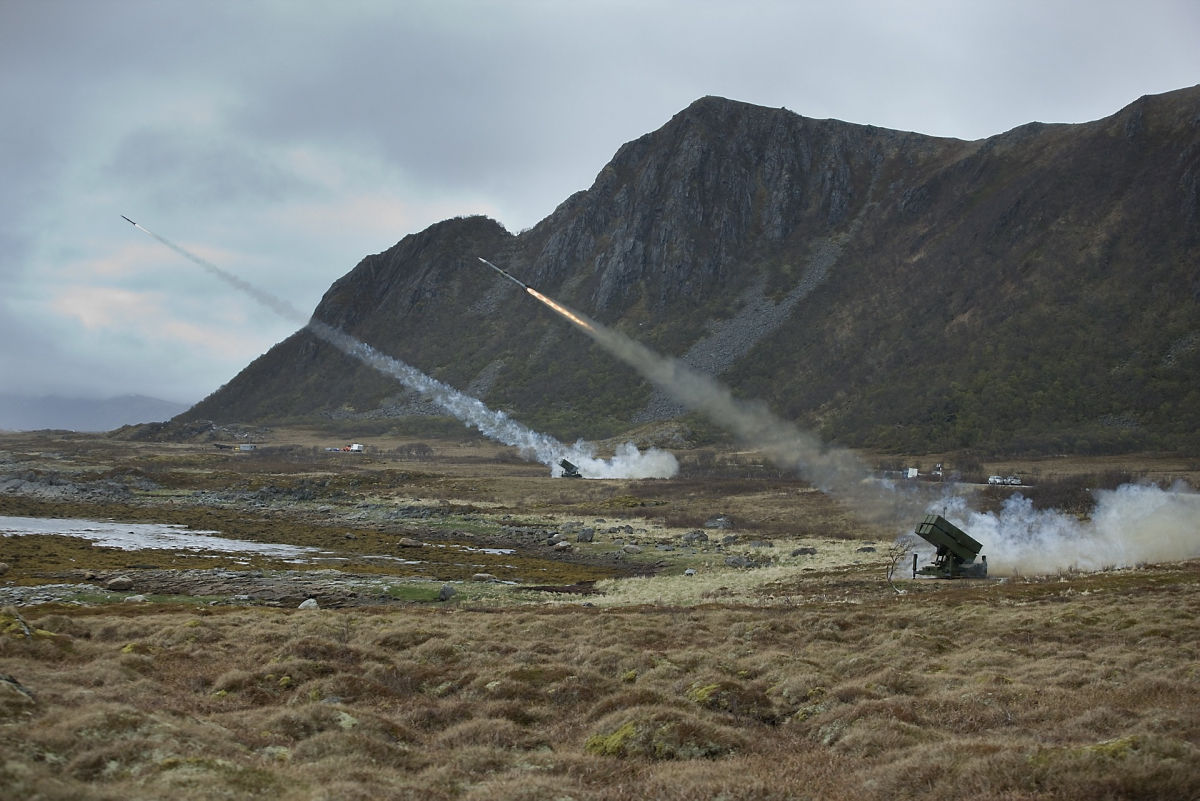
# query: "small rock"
x,y
695,537
631,548
409,542
720,521
691,571
562,545
586,535
807,550
134,599
866,549
4,568
119,584
311,603
483,577
446,593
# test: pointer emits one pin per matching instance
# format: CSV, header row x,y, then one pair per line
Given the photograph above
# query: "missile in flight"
x,y
522,284
126,219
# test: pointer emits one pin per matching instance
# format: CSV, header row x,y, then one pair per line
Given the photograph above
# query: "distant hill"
x,y
1036,291
20,413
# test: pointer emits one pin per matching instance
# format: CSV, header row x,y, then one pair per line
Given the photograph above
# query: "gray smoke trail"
x,y
836,471
628,462
277,305
1131,525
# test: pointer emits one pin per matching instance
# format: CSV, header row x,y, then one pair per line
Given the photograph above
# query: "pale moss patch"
x,y
723,584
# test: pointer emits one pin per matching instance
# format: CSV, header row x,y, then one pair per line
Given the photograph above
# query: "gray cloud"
x,y
285,140
180,170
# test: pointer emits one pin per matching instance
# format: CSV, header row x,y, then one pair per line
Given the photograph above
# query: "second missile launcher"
x,y
569,470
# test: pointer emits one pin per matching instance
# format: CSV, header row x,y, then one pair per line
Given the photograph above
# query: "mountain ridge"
x,y
894,290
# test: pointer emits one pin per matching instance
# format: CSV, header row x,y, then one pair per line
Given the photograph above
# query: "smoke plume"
x,y
1131,525
628,462
836,471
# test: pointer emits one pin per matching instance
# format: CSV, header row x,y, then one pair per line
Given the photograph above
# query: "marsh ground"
x,y
786,674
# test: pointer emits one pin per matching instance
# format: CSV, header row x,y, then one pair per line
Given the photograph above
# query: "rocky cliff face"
x,y
1037,289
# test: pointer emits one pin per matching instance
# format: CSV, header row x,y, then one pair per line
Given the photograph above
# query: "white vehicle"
x,y
356,448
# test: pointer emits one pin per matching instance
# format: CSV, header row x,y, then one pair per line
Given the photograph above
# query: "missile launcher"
x,y
956,550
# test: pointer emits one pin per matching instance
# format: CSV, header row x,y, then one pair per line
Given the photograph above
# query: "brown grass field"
x,y
809,676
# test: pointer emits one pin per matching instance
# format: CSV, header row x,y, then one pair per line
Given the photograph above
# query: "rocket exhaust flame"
x,y
574,317
628,462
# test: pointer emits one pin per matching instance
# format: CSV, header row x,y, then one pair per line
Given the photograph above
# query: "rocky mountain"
x,y
1036,291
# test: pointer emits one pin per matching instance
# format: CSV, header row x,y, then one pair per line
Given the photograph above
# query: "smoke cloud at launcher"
x,y
627,462
1131,525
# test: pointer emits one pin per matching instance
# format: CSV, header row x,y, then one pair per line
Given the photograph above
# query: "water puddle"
x,y
148,536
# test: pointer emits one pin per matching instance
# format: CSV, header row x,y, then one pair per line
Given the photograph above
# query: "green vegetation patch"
x,y
659,734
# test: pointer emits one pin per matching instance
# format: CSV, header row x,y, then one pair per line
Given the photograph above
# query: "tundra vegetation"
x,y
769,658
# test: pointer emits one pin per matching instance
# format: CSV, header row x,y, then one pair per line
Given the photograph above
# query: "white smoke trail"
x,y
1131,525
628,462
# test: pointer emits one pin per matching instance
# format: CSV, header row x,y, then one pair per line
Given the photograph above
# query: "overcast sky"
x,y
284,140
